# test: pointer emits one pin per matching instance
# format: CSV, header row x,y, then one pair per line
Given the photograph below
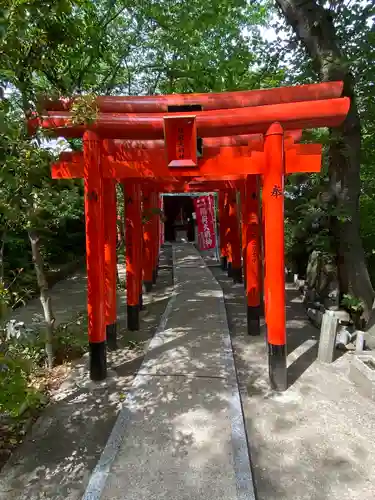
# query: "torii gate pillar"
x,y
133,235
251,228
110,260
273,203
93,185
233,242
223,227
147,240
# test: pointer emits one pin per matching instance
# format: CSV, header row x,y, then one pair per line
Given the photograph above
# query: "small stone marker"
x,y
328,332
362,374
360,341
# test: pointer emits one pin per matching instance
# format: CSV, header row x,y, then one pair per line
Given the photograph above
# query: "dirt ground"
x,y
316,441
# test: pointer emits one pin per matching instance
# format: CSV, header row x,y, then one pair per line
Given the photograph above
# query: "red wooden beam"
x,y
223,122
222,100
220,162
111,147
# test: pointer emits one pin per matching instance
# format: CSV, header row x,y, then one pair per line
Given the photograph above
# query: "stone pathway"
x,y
180,434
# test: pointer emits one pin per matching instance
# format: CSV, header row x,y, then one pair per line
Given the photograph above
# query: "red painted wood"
x,y
223,223
154,231
180,137
234,244
93,185
247,98
110,257
113,147
133,228
242,191
252,241
147,235
218,163
273,206
223,122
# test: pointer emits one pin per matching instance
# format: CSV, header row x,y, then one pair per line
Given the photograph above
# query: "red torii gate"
x,y
216,118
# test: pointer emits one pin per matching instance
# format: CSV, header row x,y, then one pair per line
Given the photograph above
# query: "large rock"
x,y
321,280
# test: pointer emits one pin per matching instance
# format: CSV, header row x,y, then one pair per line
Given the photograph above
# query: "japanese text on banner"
x,y
204,209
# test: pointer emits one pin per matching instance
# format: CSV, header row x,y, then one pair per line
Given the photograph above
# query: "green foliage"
x,y
13,294
21,362
148,214
84,110
15,393
352,304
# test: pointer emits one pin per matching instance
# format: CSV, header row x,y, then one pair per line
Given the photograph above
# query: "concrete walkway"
x,y
180,434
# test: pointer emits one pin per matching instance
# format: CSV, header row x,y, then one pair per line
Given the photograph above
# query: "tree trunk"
x,y
2,246
3,302
45,298
314,27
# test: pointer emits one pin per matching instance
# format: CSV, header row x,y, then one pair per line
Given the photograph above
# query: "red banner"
x,y
204,209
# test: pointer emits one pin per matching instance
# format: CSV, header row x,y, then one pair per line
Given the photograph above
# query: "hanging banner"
x,y
205,217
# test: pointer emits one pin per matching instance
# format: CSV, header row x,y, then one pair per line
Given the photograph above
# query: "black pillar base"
x,y
133,318
148,286
277,367
224,263
261,310
154,276
229,269
237,274
111,331
141,306
253,320
98,361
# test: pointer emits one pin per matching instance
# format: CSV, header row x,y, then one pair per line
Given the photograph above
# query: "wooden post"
x,y
147,240
252,254
93,186
261,248
234,245
243,228
133,228
162,224
273,203
154,233
222,230
159,230
139,244
110,260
